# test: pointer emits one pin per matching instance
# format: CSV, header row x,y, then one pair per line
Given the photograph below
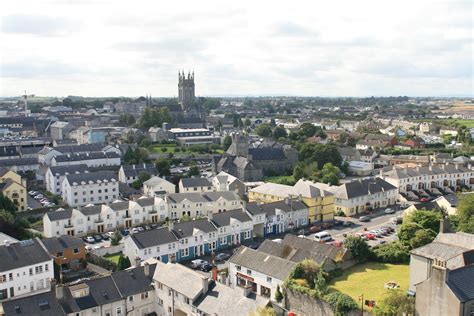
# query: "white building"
x,y
158,186
26,268
90,188
195,185
129,173
428,177
55,175
258,271
226,182
93,159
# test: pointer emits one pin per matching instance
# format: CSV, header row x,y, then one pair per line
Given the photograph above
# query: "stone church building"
x,y
253,163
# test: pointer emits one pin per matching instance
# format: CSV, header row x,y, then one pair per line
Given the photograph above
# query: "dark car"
x,y
222,257
253,246
364,219
206,267
105,237
125,232
338,222
327,225
153,226
348,224
314,229
98,238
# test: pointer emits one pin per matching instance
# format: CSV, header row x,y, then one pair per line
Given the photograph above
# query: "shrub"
x,y
278,294
358,247
341,303
301,282
393,252
340,213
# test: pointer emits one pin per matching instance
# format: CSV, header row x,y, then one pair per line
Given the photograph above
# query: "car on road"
x,y
206,267
135,230
364,219
322,237
125,232
90,239
369,236
196,263
389,211
338,222
314,229
348,224
222,256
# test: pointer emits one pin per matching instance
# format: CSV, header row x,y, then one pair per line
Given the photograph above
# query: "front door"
x,y
100,229
128,223
154,219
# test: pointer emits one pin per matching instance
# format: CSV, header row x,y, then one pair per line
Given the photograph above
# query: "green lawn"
x,y
280,179
369,279
158,149
114,257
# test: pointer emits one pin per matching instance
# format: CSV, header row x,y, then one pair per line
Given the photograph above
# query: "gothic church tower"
x,y
186,91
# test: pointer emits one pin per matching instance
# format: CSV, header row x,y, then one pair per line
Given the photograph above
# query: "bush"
x,y
341,303
393,252
334,274
340,213
358,247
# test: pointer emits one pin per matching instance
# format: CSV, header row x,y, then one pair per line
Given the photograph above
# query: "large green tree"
x,y
153,116
465,216
263,130
279,132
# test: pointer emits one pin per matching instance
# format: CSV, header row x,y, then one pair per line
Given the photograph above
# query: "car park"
x,y
196,263
364,219
105,236
222,256
125,232
370,236
90,239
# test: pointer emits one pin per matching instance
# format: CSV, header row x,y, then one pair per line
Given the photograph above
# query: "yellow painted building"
x,y
12,187
318,199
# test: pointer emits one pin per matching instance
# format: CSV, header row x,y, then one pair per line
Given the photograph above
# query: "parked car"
x,y
369,236
314,229
154,225
253,246
338,222
327,225
147,227
222,256
90,239
32,193
206,267
125,232
389,211
364,219
39,196
135,230
110,234
98,238
376,233
424,199
196,263
348,224
105,236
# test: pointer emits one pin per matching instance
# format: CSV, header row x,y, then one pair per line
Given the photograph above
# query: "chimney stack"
x,y
171,225
205,285
445,225
146,269
59,290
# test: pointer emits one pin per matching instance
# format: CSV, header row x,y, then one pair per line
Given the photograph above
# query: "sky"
x,y
236,48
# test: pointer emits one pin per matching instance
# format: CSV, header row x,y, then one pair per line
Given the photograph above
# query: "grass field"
x,y
280,179
369,279
114,257
158,149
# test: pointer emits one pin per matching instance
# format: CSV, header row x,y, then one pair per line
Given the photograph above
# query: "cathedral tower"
x,y
186,90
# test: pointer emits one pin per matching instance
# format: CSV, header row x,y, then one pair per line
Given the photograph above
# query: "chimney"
x,y
445,225
287,200
133,166
171,225
210,216
6,242
138,261
59,290
146,269
205,285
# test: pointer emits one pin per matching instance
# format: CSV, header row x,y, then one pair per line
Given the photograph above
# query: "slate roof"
x,y
101,291
57,244
92,209
44,304
134,281
22,254
446,246
145,201
120,205
400,173
223,218
461,282
59,215
63,170
264,263
135,170
153,237
267,153
19,162
202,196
195,182
253,208
186,229
291,206
91,176
87,156
363,187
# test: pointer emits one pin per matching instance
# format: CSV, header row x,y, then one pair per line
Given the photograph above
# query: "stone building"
x,y
251,164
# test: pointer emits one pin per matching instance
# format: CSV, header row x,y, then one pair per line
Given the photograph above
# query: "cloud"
x,y
38,69
38,25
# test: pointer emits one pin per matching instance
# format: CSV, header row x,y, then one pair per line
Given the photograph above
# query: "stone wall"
x,y
302,304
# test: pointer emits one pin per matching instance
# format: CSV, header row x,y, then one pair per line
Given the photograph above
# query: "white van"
x,y
322,237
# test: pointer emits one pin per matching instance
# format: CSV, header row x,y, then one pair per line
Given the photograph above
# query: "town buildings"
x,y
195,185
68,252
129,173
54,176
13,187
156,186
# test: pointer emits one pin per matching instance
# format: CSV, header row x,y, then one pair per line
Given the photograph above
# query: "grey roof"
x,y
202,196
91,209
153,237
101,291
63,170
461,282
223,218
195,182
44,304
253,208
291,206
446,246
59,215
134,281
267,153
71,148
146,201
400,173
186,229
363,187
19,162
119,205
21,254
87,156
264,263
135,170
56,244
91,176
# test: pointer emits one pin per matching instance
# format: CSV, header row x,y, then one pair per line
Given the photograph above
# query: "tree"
x,y
330,174
142,177
272,122
358,247
247,122
422,237
126,119
227,142
341,303
263,311
7,204
279,132
194,171
153,116
298,172
263,130
424,220
307,130
116,237
278,294
466,213
123,263
163,166
395,302
394,252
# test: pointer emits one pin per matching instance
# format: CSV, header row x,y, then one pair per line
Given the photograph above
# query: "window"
x,y
10,277
249,272
238,268
119,310
144,296
269,279
59,254
130,298
160,302
46,267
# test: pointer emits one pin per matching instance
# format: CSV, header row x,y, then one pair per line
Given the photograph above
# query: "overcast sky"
x,y
311,48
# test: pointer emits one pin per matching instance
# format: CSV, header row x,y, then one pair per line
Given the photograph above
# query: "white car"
x,y
90,239
197,263
389,211
135,230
